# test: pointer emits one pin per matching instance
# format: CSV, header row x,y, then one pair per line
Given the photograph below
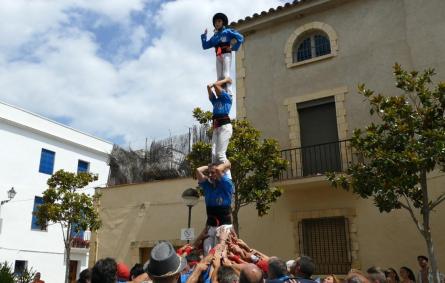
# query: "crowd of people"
x,y
231,260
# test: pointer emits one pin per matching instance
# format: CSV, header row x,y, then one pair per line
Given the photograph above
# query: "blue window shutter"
x,y
83,166
34,224
47,161
75,234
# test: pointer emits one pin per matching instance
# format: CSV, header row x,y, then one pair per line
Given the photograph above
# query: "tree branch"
x,y
411,212
439,199
63,233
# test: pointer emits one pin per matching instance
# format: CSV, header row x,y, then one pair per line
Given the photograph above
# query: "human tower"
x,y
215,179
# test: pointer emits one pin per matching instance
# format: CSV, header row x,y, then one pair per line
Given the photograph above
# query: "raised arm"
x,y
194,277
222,168
200,173
219,85
212,95
206,44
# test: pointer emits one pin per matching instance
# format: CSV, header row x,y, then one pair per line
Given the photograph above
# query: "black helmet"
x,y
222,17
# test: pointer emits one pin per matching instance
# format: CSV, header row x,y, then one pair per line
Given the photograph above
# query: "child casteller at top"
x,y
222,42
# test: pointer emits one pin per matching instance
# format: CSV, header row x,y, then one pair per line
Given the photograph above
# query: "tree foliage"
x,y
255,163
7,274
65,204
399,150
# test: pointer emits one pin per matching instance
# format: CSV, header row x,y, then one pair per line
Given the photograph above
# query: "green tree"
x,y
255,163
400,150
63,204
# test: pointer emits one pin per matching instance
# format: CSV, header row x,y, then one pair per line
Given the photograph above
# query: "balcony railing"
x,y
81,240
316,160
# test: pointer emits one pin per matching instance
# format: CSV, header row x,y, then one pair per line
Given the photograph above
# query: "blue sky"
x,y
123,70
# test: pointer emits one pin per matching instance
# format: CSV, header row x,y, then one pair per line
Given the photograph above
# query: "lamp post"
x,y
11,194
190,197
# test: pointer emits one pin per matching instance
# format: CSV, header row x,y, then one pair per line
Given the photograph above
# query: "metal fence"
x,y
162,159
318,159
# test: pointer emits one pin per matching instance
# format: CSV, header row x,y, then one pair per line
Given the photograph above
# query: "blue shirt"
x,y
222,104
221,194
205,276
225,35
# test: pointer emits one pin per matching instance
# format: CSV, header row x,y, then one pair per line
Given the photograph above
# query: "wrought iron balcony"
x,y
81,240
316,160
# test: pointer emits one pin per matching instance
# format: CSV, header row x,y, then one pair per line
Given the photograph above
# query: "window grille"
x,y
34,223
83,166
314,45
304,50
326,241
47,161
322,45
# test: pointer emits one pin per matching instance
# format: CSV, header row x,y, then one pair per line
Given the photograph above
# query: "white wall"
x,y
22,140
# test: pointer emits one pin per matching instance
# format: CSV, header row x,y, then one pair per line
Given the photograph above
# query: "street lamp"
x,y
190,198
11,194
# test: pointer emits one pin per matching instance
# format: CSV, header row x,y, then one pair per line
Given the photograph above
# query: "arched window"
x,y
309,43
310,46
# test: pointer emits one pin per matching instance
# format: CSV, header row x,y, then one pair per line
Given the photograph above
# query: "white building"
x,y
31,149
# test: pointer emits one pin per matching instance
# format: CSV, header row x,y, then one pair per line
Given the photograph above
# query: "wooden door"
x,y
73,271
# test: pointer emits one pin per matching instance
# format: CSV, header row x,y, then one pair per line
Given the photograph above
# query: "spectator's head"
x,y
165,265
136,270
277,268
356,276
407,273
192,259
391,275
304,266
104,271
331,279
37,276
84,276
227,275
423,261
251,273
376,275
290,265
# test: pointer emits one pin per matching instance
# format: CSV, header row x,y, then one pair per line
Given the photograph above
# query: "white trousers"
x,y
213,236
223,65
220,141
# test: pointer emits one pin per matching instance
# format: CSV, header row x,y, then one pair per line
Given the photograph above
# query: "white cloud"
x,y
148,96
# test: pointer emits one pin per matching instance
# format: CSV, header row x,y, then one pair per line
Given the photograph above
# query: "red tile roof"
x,y
271,11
